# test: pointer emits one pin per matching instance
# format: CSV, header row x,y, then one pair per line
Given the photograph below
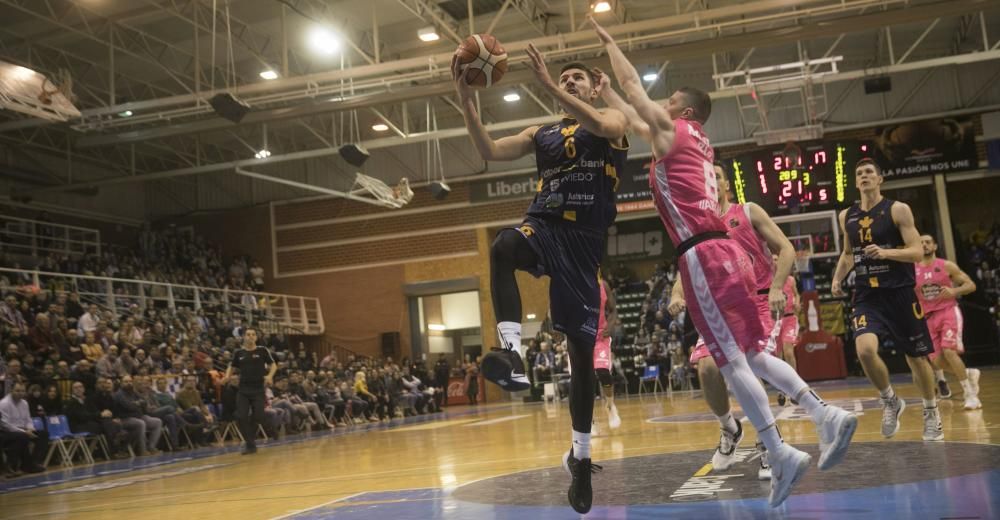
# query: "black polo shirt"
x,y
253,367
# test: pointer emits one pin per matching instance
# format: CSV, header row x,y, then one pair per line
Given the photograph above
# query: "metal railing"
x,y
118,294
24,236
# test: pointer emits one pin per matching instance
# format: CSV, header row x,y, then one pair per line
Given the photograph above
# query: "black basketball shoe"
x,y
504,367
581,494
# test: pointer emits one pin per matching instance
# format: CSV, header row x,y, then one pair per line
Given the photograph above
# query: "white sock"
x,y
888,393
939,374
930,403
510,333
812,404
581,445
753,399
786,379
728,422
967,387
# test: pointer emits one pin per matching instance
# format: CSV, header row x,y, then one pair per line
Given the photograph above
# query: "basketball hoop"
x,y
390,197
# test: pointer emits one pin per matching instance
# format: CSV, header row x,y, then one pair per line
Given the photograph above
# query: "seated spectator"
x,y
91,348
85,417
191,404
11,316
89,321
424,399
25,447
544,364
41,339
130,407
166,413
110,366
358,407
192,421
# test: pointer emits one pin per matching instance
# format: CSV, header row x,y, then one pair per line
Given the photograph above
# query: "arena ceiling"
x,y
143,70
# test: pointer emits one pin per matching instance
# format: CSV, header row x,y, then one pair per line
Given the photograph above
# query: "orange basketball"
x,y
485,58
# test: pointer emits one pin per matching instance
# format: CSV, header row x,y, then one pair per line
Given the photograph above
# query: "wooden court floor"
x,y
502,461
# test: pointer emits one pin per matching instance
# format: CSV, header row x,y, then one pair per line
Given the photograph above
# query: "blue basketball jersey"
x,y
577,175
876,226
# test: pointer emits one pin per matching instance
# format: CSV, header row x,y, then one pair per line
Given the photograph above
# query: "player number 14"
x,y
860,322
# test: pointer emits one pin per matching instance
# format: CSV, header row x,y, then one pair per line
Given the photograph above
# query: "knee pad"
x,y
604,376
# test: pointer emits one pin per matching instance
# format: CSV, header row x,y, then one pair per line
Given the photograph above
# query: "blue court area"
x,y
975,496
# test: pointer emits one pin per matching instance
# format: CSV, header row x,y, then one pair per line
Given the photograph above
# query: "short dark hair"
x,y
581,66
699,101
869,160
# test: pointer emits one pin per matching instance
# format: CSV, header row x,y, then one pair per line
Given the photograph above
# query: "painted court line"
x,y
495,421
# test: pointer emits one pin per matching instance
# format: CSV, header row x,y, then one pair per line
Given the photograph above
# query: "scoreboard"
x,y
799,177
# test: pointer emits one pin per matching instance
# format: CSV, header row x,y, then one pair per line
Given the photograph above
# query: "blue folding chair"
x,y
88,442
60,439
650,375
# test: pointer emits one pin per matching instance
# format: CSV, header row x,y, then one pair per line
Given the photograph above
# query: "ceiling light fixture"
x,y
512,97
435,326
428,34
323,41
380,127
268,74
126,113
649,77
602,7
262,154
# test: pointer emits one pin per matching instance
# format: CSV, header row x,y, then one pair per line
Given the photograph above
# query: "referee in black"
x,y
256,367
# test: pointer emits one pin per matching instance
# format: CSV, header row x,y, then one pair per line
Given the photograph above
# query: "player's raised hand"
x,y
459,73
603,80
776,299
537,64
601,32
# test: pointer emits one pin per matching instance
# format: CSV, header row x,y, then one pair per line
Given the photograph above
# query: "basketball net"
x,y
390,197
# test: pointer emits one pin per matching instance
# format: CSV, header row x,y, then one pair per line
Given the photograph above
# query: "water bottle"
x,y
813,316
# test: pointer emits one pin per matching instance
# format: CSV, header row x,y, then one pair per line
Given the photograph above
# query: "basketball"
x,y
486,58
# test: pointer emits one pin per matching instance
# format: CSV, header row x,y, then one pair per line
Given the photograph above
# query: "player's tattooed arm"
x,y
844,263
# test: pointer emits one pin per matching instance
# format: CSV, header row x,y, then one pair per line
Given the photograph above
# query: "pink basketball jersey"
x,y
789,290
683,184
602,320
740,229
930,280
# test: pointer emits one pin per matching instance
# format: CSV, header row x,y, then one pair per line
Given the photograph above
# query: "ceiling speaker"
x,y
354,154
877,85
439,190
227,106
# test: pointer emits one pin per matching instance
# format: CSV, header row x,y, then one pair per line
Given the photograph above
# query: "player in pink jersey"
x,y
602,352
750,227
788,329
716,273
937,291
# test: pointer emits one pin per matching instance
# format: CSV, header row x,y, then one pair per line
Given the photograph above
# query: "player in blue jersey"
x,y
882,245
562,236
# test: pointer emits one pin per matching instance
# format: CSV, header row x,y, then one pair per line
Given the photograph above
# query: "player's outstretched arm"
x,y
844,263
503,149
610,124
963,282
778,243
660,125
611,98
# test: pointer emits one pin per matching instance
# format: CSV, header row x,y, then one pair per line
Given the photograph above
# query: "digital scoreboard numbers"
x,y
798,177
